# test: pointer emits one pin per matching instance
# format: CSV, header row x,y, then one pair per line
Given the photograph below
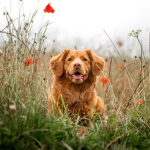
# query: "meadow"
x,y
25,78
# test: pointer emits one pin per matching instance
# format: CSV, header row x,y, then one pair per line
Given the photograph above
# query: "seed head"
x,y
6,83
13,107
129,34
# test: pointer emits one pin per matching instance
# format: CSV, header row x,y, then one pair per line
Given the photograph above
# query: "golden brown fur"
x,y
75,79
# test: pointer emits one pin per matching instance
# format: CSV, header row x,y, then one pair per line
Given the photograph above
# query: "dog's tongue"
x,y
77,76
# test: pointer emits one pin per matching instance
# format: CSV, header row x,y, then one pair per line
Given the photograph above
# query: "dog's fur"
x,y
75,78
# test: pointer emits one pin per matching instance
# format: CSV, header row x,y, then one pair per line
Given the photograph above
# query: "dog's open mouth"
x,y
77,76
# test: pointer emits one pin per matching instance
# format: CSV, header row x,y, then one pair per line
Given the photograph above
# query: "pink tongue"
x,y
77,76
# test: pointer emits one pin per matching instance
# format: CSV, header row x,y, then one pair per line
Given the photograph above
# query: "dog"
x,y
75,78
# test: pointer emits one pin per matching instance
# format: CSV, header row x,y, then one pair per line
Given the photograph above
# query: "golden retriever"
x,y
75,78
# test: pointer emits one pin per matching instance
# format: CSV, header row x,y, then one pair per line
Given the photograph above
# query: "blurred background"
x,y
79,24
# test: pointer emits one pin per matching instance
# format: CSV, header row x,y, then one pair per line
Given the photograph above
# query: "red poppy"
x,y
119,43
140,101
36,59
28,61
104,80
49,9
121,67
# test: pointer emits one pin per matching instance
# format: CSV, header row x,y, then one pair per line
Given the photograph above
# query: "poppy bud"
x,y
3,13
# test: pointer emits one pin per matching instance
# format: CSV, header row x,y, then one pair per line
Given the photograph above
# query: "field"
x,y
25,78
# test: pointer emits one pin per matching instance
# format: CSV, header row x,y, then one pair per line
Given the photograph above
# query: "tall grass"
x,y
25,119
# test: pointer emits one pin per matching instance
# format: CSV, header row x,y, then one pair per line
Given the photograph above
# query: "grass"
x,y
25,119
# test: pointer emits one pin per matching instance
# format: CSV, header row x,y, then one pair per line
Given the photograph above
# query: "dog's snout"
x,y
77,65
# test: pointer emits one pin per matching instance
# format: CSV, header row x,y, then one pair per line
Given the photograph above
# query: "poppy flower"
x,y
121,67
36,59
104,80
49,9
140,101
119,43
28,61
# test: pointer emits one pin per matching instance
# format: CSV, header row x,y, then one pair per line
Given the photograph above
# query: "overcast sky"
x,y
81,22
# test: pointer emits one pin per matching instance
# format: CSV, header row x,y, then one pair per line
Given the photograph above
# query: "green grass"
x,y
26,121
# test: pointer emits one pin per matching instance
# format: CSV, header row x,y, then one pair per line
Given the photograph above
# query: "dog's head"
x,y
76,65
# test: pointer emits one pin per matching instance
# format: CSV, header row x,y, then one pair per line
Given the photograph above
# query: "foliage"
x,y
25,119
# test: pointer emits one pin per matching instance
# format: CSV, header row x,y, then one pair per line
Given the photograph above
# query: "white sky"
x,y
86,19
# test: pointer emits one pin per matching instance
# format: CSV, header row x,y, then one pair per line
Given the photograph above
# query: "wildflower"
x,y
140,101
28,61
119,43
121,67
104,80
36,59
49,9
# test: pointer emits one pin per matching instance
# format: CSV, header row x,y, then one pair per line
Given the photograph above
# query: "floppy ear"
x,y
57,62
99,62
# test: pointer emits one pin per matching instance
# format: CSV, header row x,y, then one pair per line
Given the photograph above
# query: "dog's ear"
x,y
97,63
57,62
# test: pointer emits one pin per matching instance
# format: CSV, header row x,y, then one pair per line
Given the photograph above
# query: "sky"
x,y
80,23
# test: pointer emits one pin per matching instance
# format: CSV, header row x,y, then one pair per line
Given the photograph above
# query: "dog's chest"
x,y
72,98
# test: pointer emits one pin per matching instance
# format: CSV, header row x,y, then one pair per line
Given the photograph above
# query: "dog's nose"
x,y
77,65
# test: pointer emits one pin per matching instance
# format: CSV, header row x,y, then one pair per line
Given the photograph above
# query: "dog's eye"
x,y
84,59
69,59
